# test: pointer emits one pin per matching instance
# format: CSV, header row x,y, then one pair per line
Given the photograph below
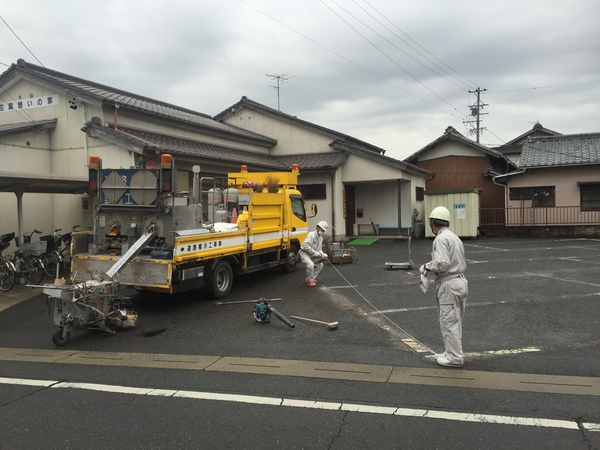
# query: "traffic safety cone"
x,y
234,216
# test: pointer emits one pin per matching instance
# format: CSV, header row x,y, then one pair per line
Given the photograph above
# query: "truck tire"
x,y
221,279
291,260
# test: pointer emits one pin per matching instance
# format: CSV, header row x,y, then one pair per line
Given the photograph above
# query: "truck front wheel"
x,y
222,279
291,260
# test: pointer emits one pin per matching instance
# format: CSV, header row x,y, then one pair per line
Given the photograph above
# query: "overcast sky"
x,y
394,73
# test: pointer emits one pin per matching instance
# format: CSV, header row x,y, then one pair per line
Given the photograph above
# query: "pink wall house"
x,y
558,182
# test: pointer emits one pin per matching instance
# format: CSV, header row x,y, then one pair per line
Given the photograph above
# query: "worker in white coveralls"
x,y
312,254
446,269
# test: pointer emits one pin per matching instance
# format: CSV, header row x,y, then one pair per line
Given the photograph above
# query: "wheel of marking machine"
x,y
59,339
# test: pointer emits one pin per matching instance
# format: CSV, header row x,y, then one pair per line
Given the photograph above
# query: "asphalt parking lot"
x,y
532,307
530,378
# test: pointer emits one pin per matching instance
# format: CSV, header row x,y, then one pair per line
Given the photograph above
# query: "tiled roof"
x,y
537,131
245,102
509,149
103,95
563,150
451,134
198,149
382,159
313,161
342,142
138,140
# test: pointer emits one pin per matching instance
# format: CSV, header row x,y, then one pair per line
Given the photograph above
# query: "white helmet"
x,y
440,213
322,225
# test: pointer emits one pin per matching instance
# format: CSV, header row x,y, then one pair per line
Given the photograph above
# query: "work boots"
x,y
310,283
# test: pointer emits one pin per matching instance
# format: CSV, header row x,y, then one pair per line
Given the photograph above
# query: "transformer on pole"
x,y
476,109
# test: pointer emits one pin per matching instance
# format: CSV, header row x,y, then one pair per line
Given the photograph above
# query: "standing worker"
x,y
446,269
312,254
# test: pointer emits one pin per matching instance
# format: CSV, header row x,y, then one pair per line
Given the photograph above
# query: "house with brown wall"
x,y
460,163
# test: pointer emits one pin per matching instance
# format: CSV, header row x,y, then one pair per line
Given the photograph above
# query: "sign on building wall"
x,y
29,103
461,210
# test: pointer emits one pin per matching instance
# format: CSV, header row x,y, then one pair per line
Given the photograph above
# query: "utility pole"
x,y
476,112
280,79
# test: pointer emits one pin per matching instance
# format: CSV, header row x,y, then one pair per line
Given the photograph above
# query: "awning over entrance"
x,y
18,182
24,127
22,183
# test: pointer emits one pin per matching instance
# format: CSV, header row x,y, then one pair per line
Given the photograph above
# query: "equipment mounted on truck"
x,y
149,236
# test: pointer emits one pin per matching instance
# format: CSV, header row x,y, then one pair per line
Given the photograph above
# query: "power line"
x,y
20,112
398,48
382,52
341,56
496,136
467,85
544,87
8,26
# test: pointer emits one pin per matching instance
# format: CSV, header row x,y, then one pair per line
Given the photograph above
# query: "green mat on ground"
x,y
363,241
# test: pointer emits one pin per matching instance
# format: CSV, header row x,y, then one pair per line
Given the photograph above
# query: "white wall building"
x,y
51,122
351,181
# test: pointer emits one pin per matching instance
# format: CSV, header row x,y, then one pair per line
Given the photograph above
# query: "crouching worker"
x,y
312,254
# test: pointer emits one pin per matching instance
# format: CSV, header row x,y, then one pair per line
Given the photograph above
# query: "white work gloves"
x,y
426,278
318,256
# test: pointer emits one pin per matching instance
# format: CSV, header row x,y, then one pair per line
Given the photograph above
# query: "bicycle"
x,y
7,270
25,264
56,257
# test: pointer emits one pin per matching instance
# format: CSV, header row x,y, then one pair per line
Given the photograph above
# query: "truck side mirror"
x,y
313,210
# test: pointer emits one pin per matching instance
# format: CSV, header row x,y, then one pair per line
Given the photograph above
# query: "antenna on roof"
x,y
280,79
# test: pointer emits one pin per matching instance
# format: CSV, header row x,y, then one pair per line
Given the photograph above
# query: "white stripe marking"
x,y
18,381
293,403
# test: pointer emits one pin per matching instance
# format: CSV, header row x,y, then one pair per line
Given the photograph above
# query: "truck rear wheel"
x,y
222,279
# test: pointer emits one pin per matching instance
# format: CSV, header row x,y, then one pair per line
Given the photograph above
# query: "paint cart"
x,y
408,265
339,254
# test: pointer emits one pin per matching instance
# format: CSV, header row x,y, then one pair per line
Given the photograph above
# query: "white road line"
x,y
567,280
475,304
309,404
510,351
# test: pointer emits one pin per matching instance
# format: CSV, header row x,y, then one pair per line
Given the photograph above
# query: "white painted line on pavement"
x,y
22,382
494,303
308,404
567,280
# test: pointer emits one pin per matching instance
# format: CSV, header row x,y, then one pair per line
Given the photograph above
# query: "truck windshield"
x,y
298,207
